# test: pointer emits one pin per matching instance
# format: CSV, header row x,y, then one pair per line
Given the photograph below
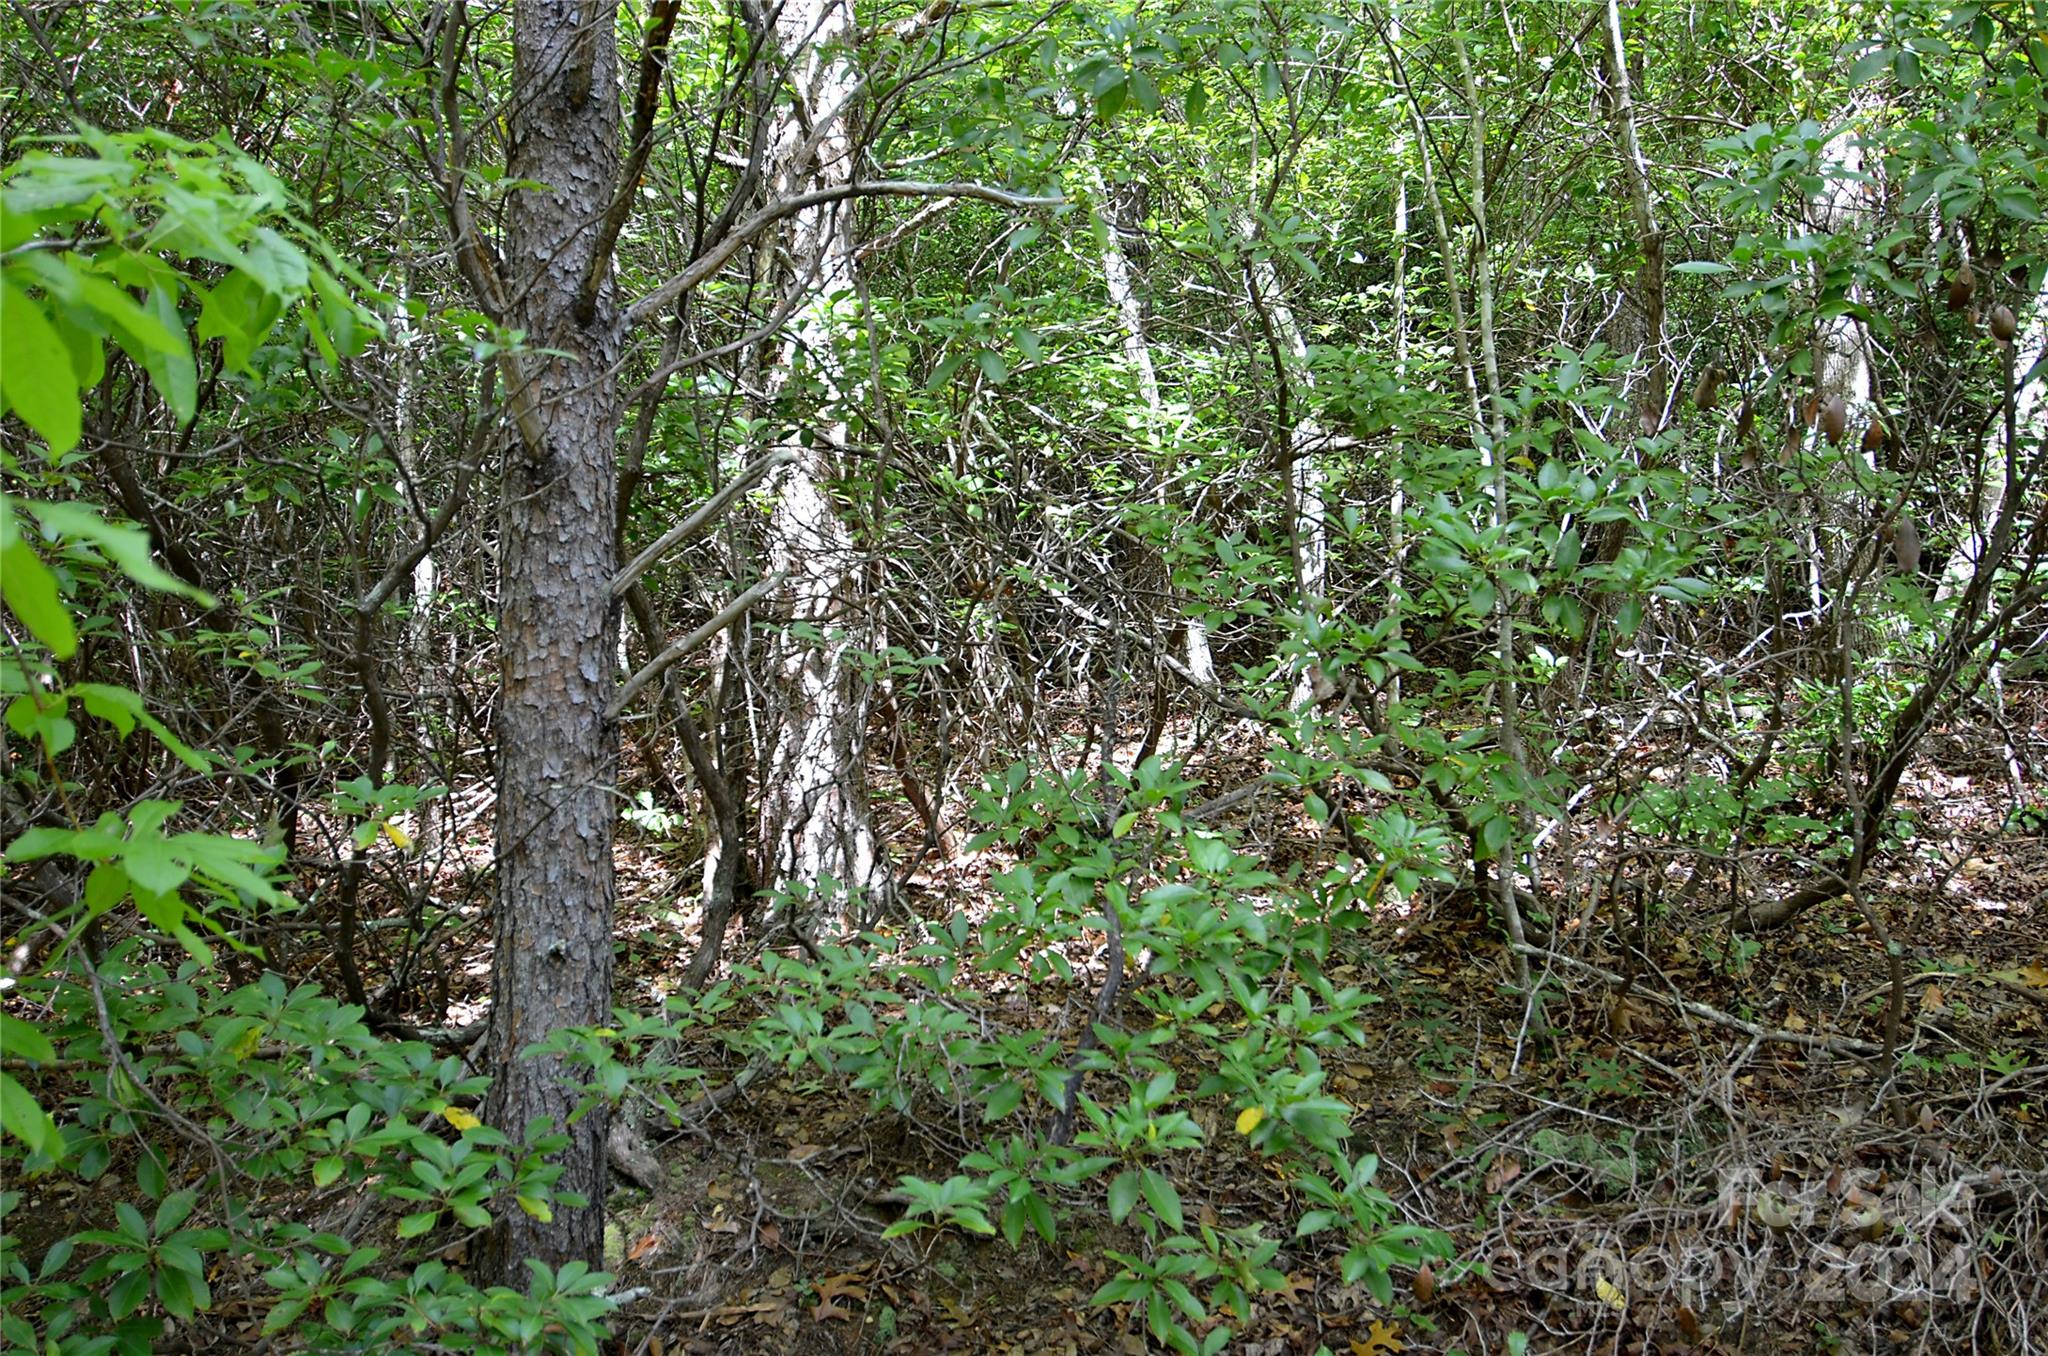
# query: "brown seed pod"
x,y
1746,420
1962,287
1749,455
1834,420
1906,545
1708,388
2004,325
1873,437
1811,410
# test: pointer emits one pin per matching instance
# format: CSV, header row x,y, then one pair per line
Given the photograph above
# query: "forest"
x,y
1024,676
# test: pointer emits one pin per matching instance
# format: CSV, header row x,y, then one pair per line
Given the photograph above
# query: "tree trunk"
x,y
557,753
816,833
1157,474
1301,479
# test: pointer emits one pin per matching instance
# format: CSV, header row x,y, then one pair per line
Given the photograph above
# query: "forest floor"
x,y
1619,1173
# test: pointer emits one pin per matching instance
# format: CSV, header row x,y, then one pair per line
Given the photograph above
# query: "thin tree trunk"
x,y
1302,473
1507,690
1120,281
1653,404
557,752
1988,488
816,832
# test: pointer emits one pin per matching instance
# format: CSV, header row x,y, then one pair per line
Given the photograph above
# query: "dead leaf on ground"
x,y
1381,1338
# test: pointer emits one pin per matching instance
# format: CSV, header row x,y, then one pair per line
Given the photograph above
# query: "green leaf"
x,y
21,1040
172,371
31,593
1145,91
117,706
1161,1196
1123,1194
1208,853
2017,203
1872,64
151,863
22,1117
36,376
1007,1097
127,547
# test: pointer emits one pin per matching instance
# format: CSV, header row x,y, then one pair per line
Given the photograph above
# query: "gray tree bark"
x,y
815,830
557,751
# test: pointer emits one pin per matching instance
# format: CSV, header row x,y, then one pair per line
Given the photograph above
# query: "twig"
x,y
1835,1045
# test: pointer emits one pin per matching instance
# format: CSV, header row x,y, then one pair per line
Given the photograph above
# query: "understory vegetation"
x,y
1066,677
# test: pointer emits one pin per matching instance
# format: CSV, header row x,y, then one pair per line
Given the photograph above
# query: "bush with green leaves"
x,y
195,1123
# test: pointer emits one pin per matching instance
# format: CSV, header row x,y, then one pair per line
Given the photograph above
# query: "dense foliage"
x,y
1114,511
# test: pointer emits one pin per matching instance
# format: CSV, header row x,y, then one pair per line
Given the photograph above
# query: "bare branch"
x,y
683,648
698,521
720,254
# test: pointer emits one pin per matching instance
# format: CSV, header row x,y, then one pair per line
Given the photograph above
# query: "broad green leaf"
x,y
127,547
22,1117
1209,853
21,1040
36,377
31,593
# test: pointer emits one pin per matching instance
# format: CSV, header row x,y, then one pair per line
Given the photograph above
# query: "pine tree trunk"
x,y
557,754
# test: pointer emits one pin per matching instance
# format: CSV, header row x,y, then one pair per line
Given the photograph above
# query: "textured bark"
x,y
815,831
557,753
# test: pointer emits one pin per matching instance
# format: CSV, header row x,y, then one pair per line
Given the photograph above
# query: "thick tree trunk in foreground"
x,y
815,830
557,753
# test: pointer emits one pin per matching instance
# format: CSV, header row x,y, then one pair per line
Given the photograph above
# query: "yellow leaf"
x,y
1381,1338
400,839
460,1119
1610,1294
537,1208
245,1044
1249,1118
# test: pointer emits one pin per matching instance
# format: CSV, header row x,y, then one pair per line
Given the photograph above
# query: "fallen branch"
x,y
1834,1045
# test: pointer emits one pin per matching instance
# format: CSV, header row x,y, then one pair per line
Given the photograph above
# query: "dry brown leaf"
x,y
850,1284
1425,1284
1383,1337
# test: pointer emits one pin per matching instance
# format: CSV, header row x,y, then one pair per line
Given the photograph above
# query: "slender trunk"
x,y
1397,500
816,833
1653,403
1301,472
1120,281
1454,293
557,752
1507,690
